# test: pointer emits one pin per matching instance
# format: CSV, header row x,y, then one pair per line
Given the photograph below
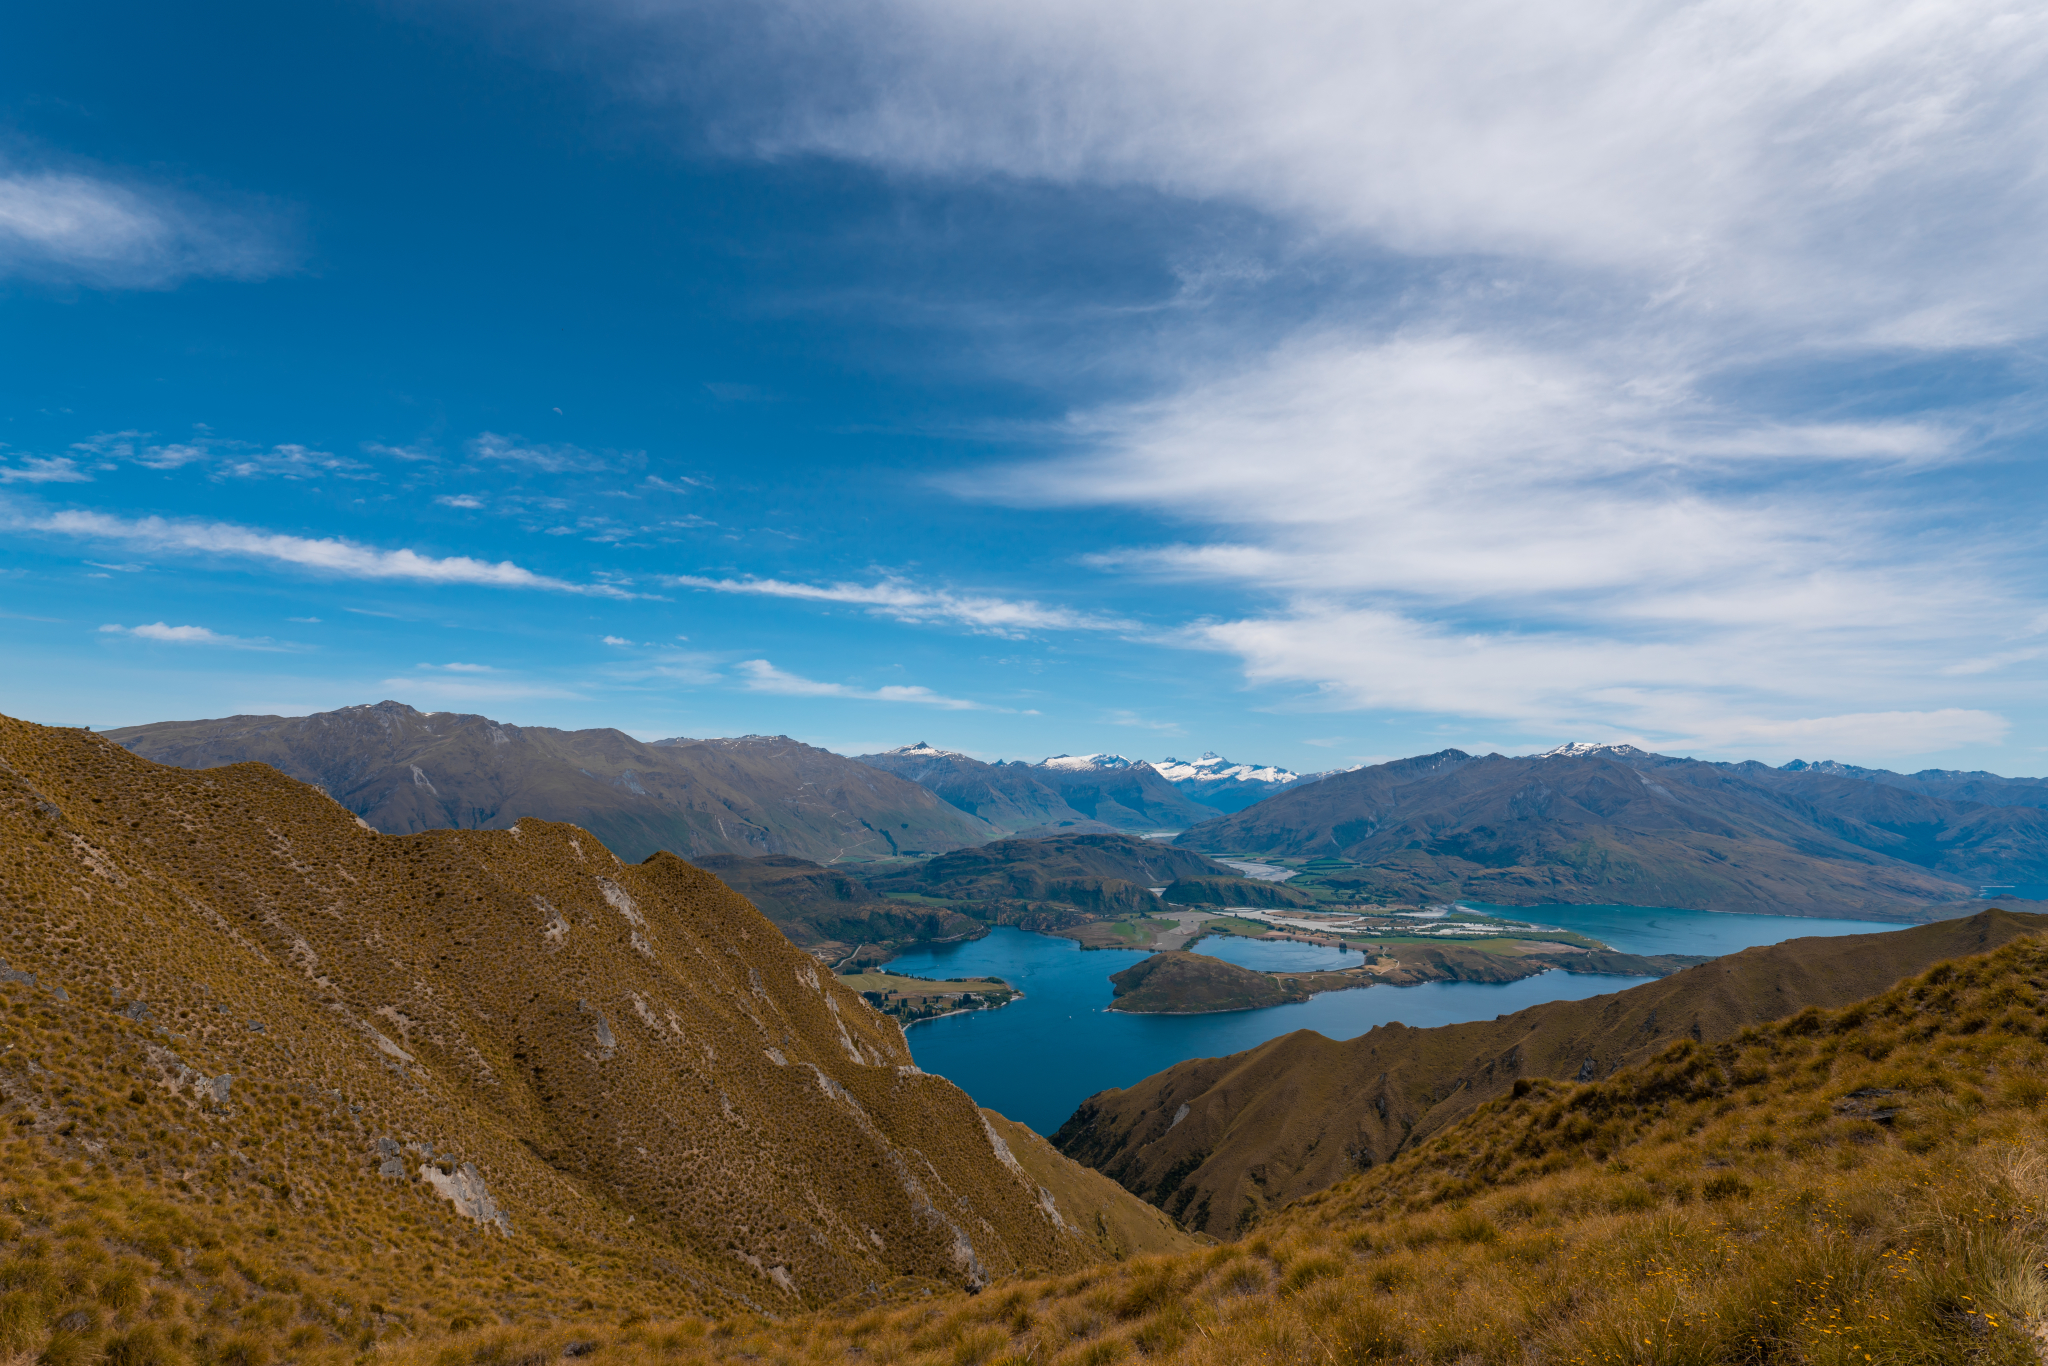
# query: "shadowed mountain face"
x,y
1109,874
1133,797
1218,1141
1618,825
1009,796
1949,784
825,910
404,770
615,1060
1118,795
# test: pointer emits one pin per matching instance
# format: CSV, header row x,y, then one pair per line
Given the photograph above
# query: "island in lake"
x,y
1180,983
910,999
1442,944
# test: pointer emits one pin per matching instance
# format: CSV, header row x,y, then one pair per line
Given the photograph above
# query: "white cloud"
x,y
461,668
1451,524
227,459
331,555
1546,448
761,676
512,450
617,640
35,469
905,602
188,635
1873,166
76,228
459,500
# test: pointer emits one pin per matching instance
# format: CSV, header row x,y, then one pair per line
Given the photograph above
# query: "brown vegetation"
x,y
238,1012
1302,1112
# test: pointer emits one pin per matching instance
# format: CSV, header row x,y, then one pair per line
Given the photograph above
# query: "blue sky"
x,y
1314,383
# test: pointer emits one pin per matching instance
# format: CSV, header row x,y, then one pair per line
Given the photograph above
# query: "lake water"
x,y
1656,929
1037,1059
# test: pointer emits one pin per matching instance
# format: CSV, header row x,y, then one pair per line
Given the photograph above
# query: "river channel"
x,y
1037,1059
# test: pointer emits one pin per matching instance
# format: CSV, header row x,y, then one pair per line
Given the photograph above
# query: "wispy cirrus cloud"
x,y
108,232
36,469
166,634
223,458
758,675
540,456
903,601
330,555
1592,420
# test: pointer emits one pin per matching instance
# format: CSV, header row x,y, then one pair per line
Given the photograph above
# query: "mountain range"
x,y
1088,793
275,1086
1613,824
404,771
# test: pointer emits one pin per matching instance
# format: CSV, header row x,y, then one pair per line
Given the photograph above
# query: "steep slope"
x,y
1119,792
405,771
827,911
1842,1188
1215,1141
576,1052
1121,1224
1008,796
1215,782
1613,824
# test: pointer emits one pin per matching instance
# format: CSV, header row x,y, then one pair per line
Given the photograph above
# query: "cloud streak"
x,y
902,601
76,228
330,555
166,634
758,675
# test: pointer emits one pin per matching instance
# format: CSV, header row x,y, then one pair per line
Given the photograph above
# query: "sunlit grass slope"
x,y
1859,1186
273,1085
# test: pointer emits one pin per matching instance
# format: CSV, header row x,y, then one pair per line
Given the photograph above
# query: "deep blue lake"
x,y
1039,1058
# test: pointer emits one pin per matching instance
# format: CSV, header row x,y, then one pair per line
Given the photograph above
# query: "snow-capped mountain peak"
x,y
921,750
1081,763
1578,749
1214,768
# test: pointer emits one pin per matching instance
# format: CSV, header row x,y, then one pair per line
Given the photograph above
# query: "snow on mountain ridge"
x,y
1579,749
1213,767
921,750
1081,763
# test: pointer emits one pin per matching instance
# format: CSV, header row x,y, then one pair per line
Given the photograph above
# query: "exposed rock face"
x,y
1213,1137
571,1046
405,771
1594,824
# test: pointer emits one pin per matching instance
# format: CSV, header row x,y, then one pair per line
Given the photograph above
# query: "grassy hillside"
x,y
1862,1187
1638,829
405,771
268,1065
1302,1112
